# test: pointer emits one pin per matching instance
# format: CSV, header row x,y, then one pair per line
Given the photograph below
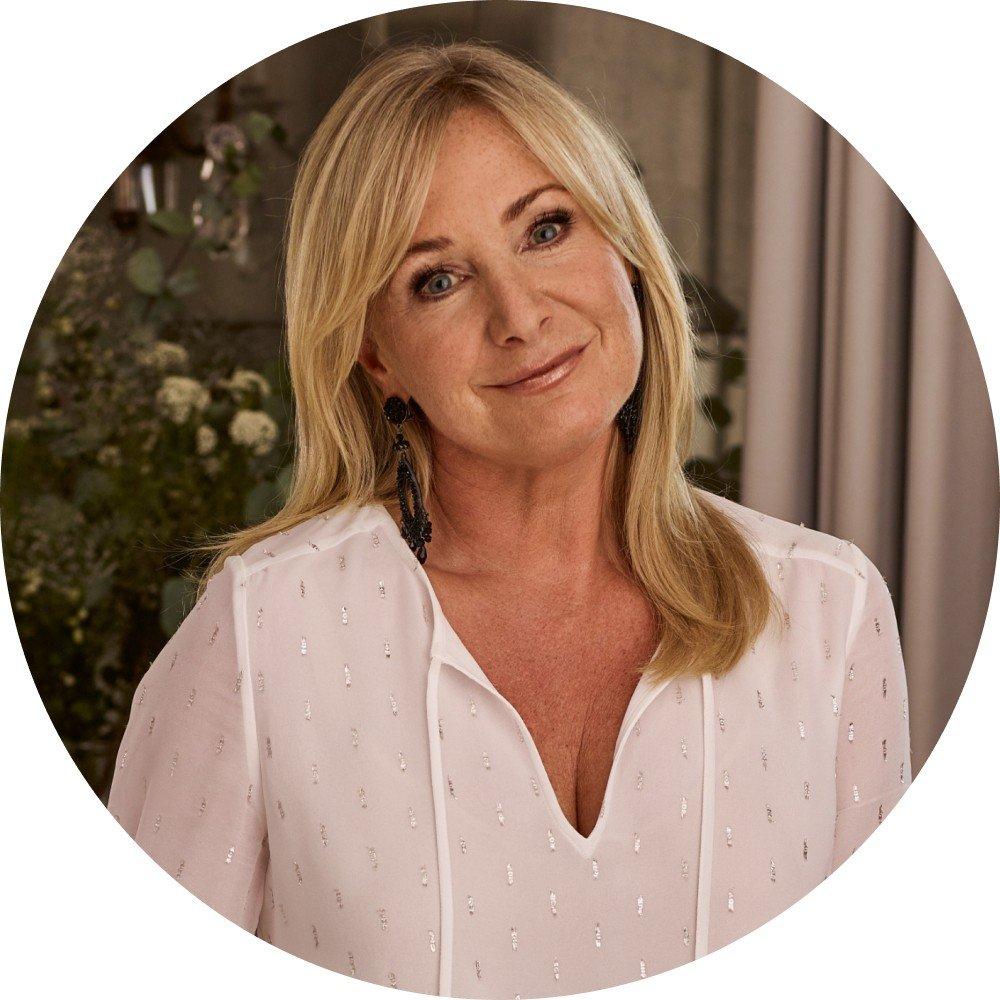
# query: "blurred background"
x,y
840,385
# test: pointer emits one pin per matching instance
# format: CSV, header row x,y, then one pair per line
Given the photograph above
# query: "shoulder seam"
x,y
780,551
861,590
239,601
836,562
300,550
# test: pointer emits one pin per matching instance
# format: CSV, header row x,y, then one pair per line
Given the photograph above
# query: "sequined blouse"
x,y
317,756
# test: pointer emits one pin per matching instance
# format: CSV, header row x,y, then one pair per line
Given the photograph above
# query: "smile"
x,y
550,376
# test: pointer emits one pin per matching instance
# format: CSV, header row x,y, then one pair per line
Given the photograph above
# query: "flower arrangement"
x,y
137,430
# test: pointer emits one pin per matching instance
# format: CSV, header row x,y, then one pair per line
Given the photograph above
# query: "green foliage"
x,y
176,600
716,411
259,127
734,365
719,321
145,270
264,500
140,431
172,222
248,181
183,282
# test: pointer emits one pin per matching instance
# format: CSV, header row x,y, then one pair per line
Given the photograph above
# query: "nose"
x,y
517,307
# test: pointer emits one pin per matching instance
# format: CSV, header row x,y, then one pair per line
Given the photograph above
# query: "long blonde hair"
x,y
358,194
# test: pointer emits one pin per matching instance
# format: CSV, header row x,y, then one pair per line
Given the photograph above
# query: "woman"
x,y
602,721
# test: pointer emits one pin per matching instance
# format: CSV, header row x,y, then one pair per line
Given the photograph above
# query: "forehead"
x,y
481,166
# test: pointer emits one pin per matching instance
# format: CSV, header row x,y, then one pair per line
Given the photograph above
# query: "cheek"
x,y
599,273
607,298
436,372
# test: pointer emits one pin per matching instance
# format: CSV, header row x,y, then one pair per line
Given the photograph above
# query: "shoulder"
x,y
805,563
346,567
777,539
328,532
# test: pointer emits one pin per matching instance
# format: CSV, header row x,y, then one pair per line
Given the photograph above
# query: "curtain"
x,y
867,411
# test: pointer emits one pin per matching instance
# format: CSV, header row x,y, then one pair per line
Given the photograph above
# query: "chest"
x,y
411,832
569,676
574,718
363,859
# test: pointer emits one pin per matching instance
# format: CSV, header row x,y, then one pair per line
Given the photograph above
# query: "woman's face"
x,y
506,278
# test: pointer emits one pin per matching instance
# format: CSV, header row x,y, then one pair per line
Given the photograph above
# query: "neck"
x,y
511,525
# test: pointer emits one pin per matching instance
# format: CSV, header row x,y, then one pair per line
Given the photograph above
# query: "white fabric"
x,y
317,756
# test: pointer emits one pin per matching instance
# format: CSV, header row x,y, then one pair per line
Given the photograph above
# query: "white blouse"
x,y
317,756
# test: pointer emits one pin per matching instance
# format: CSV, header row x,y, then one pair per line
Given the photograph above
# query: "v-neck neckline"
x,y
448,647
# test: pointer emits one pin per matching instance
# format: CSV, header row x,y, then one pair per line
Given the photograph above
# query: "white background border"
x,y
86,86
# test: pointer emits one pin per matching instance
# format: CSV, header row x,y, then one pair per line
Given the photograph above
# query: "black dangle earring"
x,y
416,529
629,415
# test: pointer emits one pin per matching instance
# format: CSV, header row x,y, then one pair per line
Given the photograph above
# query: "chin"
x,y
543,445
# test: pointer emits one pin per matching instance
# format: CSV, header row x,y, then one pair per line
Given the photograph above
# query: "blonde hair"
x,y
358,194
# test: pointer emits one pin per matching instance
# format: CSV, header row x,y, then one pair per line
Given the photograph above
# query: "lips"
x,y
541,369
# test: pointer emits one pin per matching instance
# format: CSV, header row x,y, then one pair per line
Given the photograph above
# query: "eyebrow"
x,y
509,214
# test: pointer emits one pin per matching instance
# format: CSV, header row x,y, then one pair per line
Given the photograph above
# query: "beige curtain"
x,y
867,412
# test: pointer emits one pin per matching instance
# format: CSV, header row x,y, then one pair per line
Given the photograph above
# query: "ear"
x,y
631,270
370,359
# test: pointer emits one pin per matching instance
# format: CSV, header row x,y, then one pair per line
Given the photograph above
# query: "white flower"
x,y
179,395
44,391
255,430
164,355
110,454
32,581
18,429
205,439
244,381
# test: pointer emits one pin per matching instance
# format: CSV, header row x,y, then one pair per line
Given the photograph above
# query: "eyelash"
x,y
565,216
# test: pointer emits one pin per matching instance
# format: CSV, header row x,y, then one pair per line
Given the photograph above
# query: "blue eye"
x,y
437,278
548,225
549,220
422,283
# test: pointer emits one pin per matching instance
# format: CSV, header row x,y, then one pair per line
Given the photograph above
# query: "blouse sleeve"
x,y
873,748
186,786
